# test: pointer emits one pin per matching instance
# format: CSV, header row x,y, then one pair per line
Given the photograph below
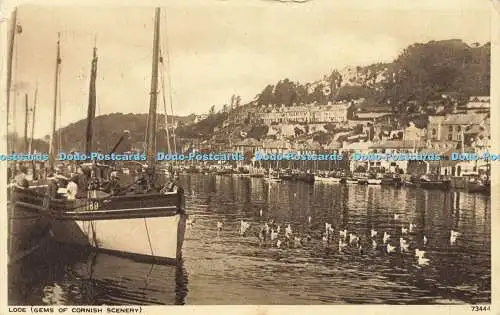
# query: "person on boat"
x,y
72,188
9,173
52,186
169,187
83,181
141,181
113,185
20,179
94,183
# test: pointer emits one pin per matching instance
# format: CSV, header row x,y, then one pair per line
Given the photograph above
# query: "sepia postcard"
x,y
253,156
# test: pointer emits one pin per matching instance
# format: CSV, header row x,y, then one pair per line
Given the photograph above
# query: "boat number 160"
x,y
93,205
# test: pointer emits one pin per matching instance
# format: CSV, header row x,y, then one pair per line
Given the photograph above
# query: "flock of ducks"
x,y
271,234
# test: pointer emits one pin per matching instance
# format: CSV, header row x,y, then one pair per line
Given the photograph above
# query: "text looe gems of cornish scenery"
x,y
248,153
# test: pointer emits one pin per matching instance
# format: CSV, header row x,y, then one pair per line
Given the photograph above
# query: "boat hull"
x,y
442,185
157,238
28,230
478,188
150,226
328,179
374,181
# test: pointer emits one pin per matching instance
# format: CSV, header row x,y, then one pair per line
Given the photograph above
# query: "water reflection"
x,y
230,269
60,275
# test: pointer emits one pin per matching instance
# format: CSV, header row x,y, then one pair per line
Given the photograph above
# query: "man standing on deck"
x,y
72,188
20,179
83,181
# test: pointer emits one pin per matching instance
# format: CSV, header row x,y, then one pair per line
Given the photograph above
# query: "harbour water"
x,y
226,268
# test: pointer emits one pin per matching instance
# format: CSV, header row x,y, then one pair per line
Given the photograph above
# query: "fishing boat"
x,y
477,185
257,172
155,216
306,177
373,180
27,230
288,174
362,179
434,182
351,181
226,170
327,178
272,177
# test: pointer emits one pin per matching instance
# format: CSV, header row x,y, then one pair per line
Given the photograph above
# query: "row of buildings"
x,y
465,129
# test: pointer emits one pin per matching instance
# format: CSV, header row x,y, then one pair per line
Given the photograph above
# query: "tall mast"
x,y
31,149
52,155
151,127
26,111
9,63
92,103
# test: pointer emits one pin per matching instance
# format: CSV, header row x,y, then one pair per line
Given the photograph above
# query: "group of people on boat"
x,y
86,181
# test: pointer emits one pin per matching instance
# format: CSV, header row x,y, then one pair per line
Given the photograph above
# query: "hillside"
x,y
109,128
413,83
421,73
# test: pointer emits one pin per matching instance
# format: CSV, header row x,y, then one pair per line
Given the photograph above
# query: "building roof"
x,y
275,144
464,119
249,142
399,144
368,115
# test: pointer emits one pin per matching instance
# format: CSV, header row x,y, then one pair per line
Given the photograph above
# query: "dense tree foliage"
x,y
422,73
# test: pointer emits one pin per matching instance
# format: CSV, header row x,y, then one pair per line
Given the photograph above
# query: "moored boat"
x,y
428,182
157,225
351,181
373,181
151,210
305,177
476,185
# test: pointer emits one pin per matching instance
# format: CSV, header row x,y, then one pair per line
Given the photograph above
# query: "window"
x,y
434,132
459,128
450,128
450,137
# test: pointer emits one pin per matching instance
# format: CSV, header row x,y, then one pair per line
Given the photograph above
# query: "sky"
x,y
215,48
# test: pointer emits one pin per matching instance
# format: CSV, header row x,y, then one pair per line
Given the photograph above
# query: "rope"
x,y
14,107
149,238
170,88
165,106
59,98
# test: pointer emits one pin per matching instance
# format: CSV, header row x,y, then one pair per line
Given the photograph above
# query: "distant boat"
x,y
475,185
288,175
362,180
327,179
273,177
351,181
224,171
305,177
428,182
257,172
